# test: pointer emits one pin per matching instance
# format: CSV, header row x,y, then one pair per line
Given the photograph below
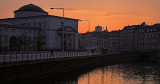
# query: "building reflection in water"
x,y
132,73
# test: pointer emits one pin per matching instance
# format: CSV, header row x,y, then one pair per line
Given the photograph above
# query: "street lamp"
x,y
88,31
62,29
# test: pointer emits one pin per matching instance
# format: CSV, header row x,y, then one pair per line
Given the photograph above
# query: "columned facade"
x,y
33,23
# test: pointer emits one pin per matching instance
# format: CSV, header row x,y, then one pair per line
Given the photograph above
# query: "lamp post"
x,y
88,31
62,29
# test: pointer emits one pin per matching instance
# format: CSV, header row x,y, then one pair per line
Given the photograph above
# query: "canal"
x,y
121,73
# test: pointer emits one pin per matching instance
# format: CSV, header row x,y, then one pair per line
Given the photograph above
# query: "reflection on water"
x,y
129,73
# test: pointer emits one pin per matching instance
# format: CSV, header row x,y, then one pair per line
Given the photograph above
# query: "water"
x,y
126,73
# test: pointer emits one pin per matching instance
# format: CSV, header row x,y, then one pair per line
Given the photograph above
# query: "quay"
x,y
27,70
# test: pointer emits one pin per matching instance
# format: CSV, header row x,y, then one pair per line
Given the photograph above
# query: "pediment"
x,y
67,29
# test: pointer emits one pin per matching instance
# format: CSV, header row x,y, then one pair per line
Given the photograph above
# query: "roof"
x,y
38,17
30,7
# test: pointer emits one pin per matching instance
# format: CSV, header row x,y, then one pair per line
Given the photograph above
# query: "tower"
x,y
106,29
98,28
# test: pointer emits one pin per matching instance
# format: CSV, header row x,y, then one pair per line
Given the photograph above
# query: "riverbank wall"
x,y
20,72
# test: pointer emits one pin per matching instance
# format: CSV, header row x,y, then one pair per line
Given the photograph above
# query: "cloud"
x,y
97,13
93,12
71,9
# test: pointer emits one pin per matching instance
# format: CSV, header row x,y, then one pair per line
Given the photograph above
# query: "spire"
x,y
106,29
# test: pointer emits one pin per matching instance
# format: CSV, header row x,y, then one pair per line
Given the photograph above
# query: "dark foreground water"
x,y
125,73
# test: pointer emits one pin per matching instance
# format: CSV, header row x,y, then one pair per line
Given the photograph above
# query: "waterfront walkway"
x,y
29,56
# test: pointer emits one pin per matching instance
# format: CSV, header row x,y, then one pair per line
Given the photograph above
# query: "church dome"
x,y
29,10
98,26
30,7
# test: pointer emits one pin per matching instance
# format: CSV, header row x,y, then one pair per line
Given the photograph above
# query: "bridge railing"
x,y
43,55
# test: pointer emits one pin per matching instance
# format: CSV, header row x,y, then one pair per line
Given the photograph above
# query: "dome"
x,y
30,7
28,11
98,26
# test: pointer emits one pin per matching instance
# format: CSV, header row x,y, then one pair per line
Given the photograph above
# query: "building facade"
x,y
26,38
93,40
33,18
113,41
140,37
131,38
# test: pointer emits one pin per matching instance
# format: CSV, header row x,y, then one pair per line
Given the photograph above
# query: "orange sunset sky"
x,y
114,13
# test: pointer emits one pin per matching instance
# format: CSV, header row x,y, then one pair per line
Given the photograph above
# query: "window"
x,y
6,29
29,39
44,32
35,40
29,24
44,24
5,38
23,24
13,30
139,30
0,38
39,24
34,24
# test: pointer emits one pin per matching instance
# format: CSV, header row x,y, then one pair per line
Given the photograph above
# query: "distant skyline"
x,y
114,13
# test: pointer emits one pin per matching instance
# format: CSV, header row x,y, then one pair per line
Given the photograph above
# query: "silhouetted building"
x,y
147,37
113,43
93,40
130,38
127,38
140,37
90,40
33,23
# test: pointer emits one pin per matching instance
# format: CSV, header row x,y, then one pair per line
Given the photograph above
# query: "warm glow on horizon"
x,y
114,13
